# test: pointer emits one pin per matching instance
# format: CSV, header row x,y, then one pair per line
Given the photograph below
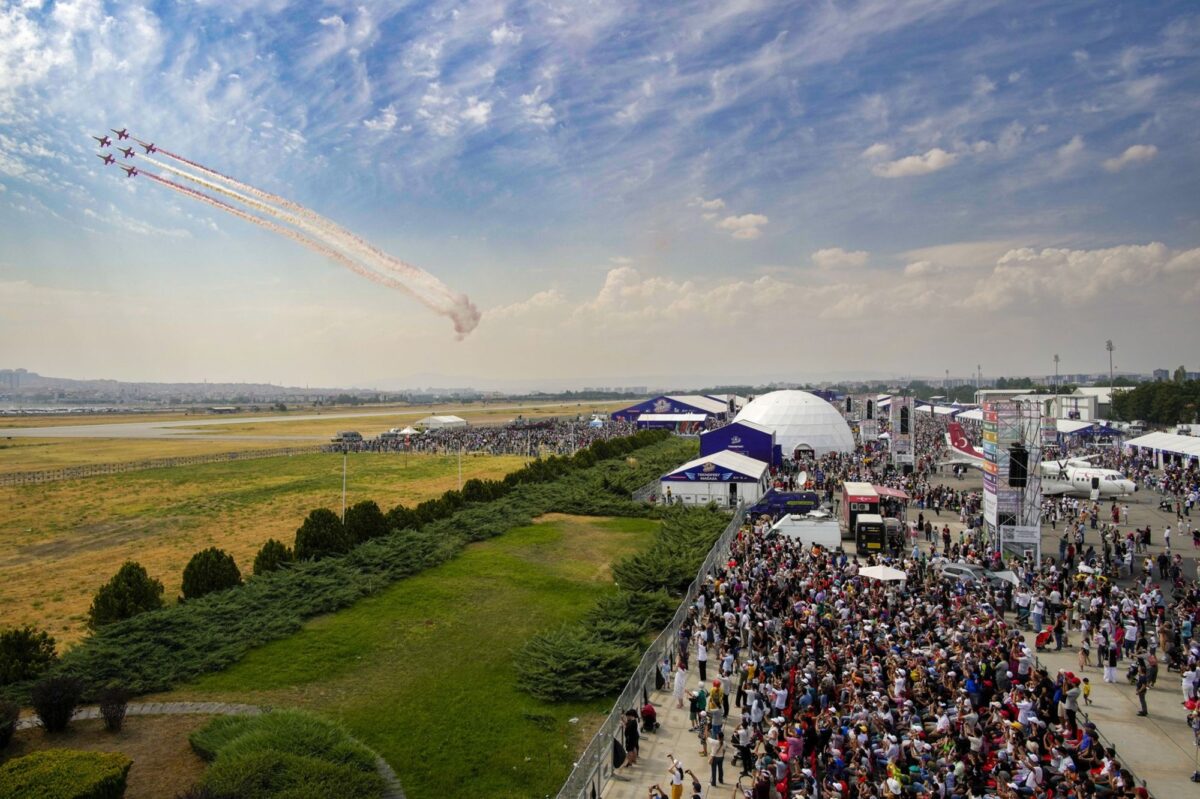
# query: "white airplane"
x,y
1072,477
1076,477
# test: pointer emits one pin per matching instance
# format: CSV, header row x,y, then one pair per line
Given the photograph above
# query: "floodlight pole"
x,y
1108,345
345,452
460,468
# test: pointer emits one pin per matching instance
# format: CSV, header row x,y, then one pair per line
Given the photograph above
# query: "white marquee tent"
x,y
439,422
800,421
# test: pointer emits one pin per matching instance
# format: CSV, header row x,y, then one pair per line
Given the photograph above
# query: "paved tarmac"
x,y
1159,748
185,429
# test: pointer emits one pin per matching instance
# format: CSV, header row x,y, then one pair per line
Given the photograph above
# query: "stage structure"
x,y
901,433
1012,485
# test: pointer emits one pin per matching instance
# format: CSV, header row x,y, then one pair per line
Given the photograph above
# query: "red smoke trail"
x,y
315,246
457,306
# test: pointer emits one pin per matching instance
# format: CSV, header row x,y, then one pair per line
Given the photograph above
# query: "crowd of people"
x,y
534,438
821,682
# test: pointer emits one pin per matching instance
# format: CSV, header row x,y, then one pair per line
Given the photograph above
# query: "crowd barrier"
x,y
96,469
594,768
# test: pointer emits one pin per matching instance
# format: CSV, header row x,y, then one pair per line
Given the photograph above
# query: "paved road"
x,y
186,429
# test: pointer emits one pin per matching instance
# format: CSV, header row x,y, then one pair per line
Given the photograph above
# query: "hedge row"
x,y
595,657
65,774
159,649
285,753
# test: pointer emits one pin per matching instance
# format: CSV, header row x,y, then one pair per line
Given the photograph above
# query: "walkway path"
x,y
394,789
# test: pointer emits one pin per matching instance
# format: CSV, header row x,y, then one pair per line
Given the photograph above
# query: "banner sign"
x,y
903,422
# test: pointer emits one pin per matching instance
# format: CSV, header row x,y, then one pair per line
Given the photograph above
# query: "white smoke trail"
x,y
315,246
457,306
291,219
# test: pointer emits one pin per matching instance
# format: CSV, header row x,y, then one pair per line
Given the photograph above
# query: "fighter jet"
x,y
130,171
149,146
123,133
106,157
129,153
104,140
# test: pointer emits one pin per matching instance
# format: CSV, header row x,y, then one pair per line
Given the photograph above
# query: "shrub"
x,y
65,774
267,774
25,653
9,713
273,555
210,570
113,700
365,521
321,535
650,611
286,752
55,700
131,591
570,665
401,518
293,732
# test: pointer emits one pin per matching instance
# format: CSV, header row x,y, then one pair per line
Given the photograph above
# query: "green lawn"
x,y
423,672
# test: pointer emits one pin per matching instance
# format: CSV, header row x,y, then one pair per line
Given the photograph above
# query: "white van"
x,y
822,532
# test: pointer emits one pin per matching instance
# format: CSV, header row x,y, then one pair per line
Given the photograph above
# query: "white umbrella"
x,y
883,573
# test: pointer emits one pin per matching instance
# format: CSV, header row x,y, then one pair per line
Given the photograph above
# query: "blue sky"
x,y
623,189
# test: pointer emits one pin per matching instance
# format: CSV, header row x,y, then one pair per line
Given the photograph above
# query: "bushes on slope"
x,y
210,570
272,556
131,591
154,651
25,652
65,774
285,753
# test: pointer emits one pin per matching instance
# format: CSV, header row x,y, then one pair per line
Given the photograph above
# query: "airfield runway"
x,y
185,429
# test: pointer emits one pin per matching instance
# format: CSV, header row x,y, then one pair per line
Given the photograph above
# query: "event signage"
x,y
868,430
900,435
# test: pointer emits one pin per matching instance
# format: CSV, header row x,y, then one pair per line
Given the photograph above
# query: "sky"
x,y
626,191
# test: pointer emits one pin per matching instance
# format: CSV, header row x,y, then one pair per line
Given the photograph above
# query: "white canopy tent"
x,y
885,574
1187,446
440,422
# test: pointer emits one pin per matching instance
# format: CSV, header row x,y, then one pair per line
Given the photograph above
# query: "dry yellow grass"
x,y
60,541
36,454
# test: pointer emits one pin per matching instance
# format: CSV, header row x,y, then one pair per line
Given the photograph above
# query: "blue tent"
x,y
747,438
665,404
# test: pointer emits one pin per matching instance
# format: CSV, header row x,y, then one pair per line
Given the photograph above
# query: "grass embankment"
x,y
161,517
423,671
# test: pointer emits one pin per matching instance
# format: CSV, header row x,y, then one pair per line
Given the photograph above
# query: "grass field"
x,y
423,672
36,454
60,541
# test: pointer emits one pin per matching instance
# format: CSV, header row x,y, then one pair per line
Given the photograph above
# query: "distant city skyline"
x,y
630,188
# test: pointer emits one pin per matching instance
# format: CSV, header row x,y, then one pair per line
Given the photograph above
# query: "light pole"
x,y
1108,345
1056,408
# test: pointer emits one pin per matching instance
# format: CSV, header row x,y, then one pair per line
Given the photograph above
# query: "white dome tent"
x,y
801,421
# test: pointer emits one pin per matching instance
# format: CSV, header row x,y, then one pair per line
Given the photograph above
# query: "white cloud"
x,y
1071,150
1141,90
620,260
922,269
1135,154
477,111
746,226
1080,56
537,111
932,161
878,151
1073,278
835,258
982,86
384,122
708,208
505,34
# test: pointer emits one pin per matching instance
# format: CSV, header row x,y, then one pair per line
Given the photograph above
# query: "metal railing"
x,y
594,767
644,493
